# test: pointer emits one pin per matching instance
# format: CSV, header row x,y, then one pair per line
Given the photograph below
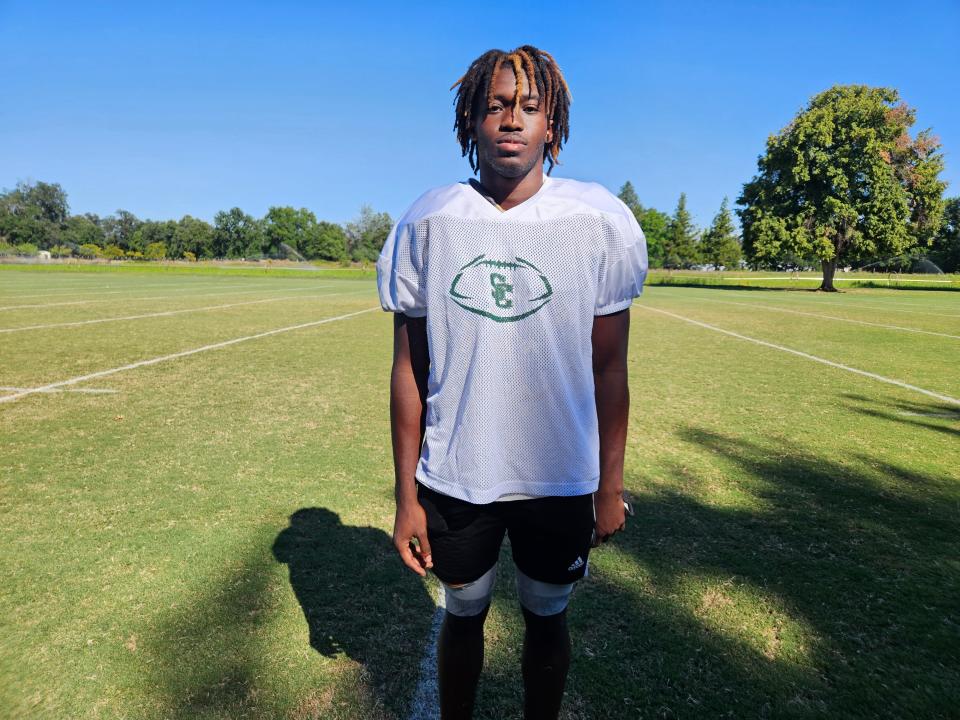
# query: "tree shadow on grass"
x,y
214,657
862,579
729,285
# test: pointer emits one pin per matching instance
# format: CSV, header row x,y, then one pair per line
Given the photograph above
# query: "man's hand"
x,y
411,524
611,515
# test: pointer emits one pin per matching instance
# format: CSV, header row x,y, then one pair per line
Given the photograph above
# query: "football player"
x,y
509,397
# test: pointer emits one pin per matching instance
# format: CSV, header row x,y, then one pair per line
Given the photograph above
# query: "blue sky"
x,y
166,109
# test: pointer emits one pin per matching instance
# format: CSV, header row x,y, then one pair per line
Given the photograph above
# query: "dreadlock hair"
x,y
476,87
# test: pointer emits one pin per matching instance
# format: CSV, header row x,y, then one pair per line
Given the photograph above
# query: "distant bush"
x,y
155,251
113,252
89,250
189,256
27,249
134,254
61,251
7,248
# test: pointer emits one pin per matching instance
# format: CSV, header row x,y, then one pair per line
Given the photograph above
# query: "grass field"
x,y
207,534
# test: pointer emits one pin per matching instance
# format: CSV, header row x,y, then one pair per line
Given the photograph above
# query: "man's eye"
x,y
494,108
531,108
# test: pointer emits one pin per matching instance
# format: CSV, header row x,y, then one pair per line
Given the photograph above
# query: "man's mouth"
x,y
511,144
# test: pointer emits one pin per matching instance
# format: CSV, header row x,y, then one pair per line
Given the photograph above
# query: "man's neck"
x,y
509,192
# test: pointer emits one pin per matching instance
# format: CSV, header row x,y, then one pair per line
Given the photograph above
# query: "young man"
x,y
509,397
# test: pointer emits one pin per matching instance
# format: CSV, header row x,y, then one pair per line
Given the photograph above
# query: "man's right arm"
x,y
408,411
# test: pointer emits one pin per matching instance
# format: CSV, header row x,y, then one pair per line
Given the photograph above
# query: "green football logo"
x,y
502,290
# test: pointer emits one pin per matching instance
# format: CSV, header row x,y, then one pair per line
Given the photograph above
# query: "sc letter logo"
x,y
501,290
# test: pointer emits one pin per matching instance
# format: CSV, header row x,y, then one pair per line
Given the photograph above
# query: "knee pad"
x,y
470,598
542,598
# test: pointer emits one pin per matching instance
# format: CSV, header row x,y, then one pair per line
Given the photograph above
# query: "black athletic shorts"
x,y
549,536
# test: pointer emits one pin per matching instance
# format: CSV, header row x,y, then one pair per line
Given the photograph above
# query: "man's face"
x,y
510,142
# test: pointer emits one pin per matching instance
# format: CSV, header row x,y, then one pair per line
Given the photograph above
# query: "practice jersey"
x,y
509,299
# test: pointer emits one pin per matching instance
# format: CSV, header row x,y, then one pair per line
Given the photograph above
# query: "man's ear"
x,y
549,135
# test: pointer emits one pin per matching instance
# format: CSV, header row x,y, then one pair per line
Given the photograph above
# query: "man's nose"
x,y
512,119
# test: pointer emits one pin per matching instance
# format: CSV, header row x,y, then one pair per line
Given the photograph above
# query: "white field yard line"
x,y
127,288
173,312
102,290
86,289
92,391
72,302
828,317
174,356
158,297
425,704
808,356
886,302
857,306
850,304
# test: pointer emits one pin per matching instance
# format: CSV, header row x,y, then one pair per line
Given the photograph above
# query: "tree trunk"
x,y
829,268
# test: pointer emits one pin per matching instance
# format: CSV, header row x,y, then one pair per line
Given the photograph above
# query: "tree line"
x,y
36,216
674,241
843,184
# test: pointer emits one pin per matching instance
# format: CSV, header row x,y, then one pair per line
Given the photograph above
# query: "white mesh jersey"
x,y
510,298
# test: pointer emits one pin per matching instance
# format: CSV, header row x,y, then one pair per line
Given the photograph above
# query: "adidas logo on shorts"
x,y
578,563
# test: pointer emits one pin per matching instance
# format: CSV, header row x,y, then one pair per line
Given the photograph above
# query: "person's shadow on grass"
x,y
358,599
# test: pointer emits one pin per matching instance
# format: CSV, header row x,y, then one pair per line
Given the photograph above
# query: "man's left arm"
x,y
610,335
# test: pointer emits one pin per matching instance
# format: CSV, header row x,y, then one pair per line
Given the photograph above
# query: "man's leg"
x,y
460,648
546,646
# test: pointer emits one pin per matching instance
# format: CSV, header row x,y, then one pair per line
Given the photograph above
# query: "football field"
x,y
196,505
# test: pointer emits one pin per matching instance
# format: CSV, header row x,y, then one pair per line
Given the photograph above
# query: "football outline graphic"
x,y
488,287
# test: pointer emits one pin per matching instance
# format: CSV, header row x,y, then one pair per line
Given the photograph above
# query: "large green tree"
x,y
653,223
719,245
121,228
192,235
83,230
844,181
33,213
287,229
629,197
48,198
945,249
152,232
236,234
680,241
367,233
325,241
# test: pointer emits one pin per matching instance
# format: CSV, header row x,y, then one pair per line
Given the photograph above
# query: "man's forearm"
x,y
613,406
408,400
406,426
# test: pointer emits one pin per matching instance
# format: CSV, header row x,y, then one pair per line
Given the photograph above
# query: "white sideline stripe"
x,y
425,704
96,291
830,317
66,292
848,304
174,356
171,312
808,356
161,297
130,289
94,391
72,302
858,306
